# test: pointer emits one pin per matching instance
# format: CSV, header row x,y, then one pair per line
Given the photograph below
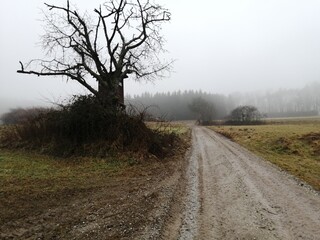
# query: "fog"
x,y
218,46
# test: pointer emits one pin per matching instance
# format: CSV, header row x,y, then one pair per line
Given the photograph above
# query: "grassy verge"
x,y
169,127
53,173
28,180
31,182
294,146
27,171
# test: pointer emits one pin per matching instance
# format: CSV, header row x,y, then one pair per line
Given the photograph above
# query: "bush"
x,y
83,127
245,115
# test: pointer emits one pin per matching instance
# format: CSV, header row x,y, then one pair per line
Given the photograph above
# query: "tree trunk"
x,y
108,98
112,98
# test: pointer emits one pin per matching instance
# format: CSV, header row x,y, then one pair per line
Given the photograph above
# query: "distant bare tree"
x,y
20,115
120,38
204,110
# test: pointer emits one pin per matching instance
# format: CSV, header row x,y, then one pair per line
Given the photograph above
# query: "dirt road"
x,y
225,192
232,194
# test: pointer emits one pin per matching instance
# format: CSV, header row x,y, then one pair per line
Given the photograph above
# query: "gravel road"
x,y
232,194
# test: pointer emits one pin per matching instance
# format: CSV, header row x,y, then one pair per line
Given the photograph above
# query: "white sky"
x,y
220,46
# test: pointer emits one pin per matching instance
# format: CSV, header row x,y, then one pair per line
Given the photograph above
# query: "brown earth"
x,y
127,205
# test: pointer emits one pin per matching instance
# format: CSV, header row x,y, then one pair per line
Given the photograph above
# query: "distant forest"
x,y
280,103
175,105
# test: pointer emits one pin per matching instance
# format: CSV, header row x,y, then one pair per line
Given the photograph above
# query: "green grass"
x,y
22,171
292,145
175,127
31,182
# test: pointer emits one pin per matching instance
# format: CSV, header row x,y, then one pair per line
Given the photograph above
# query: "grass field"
x,y
54,173
178,128
45,172
28,176
30,182
293,145
64,198
27,179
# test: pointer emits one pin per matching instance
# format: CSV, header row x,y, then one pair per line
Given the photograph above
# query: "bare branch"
x,y
121,38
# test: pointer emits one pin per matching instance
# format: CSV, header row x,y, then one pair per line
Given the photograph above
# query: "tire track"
x,y
232,194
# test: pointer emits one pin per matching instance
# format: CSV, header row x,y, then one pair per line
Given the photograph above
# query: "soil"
x,y
218,190
132,204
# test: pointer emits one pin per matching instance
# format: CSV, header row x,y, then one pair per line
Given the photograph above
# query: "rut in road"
x,y
232,194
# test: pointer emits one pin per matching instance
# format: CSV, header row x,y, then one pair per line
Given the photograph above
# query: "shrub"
x,y
83,127
245,115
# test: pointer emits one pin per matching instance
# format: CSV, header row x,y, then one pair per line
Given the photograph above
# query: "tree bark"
x,y
112,97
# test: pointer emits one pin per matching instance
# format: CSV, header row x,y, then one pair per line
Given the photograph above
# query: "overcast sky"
x,y
220,46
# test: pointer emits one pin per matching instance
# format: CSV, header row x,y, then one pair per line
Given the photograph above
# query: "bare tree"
x,y
204,110
120,38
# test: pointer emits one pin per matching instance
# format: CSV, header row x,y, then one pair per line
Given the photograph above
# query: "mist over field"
x,y
279,103
219,47
175,105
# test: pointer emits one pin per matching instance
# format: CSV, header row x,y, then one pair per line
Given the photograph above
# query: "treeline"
x,y
284,102
175,105
280,103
